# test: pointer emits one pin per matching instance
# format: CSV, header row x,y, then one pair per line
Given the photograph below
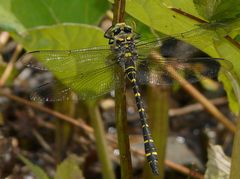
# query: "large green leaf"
x,y
37,171
186,6
63,36
69,169
159,16
8,21
34,13
231,84
218,11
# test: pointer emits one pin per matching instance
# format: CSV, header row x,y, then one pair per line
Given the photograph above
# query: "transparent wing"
x,y
88,72
89,85
196,36
64,60
162,71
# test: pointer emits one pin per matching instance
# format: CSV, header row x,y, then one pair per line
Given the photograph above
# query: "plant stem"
x,y
235,164
63,131
120,107
122,131
102,149
158,104
118,11
10,66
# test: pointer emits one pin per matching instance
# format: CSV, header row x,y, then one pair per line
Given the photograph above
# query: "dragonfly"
x,y
91,72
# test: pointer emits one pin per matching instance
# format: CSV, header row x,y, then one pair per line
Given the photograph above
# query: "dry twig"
x,y
195,107
4,37
10,65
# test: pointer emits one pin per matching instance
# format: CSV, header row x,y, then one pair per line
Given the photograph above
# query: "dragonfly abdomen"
x,y
150,149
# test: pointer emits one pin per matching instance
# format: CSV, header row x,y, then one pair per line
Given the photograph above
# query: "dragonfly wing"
x,y
63,60
196,37
86,86
88,72
163,71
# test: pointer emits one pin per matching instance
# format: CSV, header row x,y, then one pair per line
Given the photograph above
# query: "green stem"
x,y
118,11
120,107
235,165
102,149
121,125
63,132
158,104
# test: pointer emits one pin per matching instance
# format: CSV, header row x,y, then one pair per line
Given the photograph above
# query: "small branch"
x,y
47,110
183,169
197,19
195,107
10,66
232,41
45,124
4,37
42,141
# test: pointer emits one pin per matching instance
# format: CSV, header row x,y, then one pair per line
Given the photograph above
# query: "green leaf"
x,y
186,6
237,38
162,18
69,169
230,52
34,13
63,36
218,11
8,21
37,171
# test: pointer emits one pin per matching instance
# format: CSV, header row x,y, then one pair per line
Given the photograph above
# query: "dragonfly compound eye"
x,y
116,31
127,30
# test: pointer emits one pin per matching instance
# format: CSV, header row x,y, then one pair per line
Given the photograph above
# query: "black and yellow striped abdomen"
x,y
150,149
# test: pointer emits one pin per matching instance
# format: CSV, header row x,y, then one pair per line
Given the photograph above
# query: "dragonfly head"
x,y
119,33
